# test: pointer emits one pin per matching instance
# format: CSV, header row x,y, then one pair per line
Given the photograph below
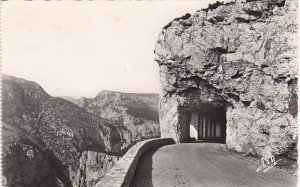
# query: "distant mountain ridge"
x,y
137,112
49,141
138,104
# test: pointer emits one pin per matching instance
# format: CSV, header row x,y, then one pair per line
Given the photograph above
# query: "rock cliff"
x,y
136,115
49,141
240,57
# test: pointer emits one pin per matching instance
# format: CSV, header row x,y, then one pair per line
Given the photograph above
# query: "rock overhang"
x,y
237,57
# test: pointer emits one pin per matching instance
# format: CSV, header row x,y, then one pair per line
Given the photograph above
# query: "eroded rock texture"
x,y
237,57
135,115
49,141
92,167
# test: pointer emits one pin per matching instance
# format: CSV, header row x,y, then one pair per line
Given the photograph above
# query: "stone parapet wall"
x,y
121,174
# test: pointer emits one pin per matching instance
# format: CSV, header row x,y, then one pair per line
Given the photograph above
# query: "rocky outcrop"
x,y
92,167
49,141
240,57
136,115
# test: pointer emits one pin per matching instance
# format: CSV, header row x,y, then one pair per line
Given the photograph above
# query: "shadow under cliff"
x,y
212,140
62,171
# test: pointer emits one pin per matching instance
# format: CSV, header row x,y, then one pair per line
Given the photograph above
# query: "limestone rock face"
x,y
135,115
236,56
49,141
92,167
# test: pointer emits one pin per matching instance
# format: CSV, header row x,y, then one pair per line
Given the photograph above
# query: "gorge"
x,y
49,141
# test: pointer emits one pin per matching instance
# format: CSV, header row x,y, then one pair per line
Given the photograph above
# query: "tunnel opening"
x,y
208,124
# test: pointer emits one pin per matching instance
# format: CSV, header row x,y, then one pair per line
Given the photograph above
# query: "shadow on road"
x,y
203,164
143,173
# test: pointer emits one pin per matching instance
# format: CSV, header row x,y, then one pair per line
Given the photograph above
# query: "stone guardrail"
x,y
121,174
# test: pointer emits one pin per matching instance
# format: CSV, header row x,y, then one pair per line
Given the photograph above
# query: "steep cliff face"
x,y
92,167
136,115
52,142
237,57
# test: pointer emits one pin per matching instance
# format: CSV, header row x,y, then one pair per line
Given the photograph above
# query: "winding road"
x,y
203,164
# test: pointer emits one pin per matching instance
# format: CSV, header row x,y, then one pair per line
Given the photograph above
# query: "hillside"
x,y
136,113
49,141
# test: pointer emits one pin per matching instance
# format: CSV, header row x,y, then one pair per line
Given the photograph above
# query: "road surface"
x,y
203,164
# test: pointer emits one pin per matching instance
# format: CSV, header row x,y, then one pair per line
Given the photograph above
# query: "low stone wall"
x,y
121,174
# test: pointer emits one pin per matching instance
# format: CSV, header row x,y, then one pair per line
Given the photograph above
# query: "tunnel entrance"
x,y
208,124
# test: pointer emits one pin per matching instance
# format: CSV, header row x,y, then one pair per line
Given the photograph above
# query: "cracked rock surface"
x,y
239,56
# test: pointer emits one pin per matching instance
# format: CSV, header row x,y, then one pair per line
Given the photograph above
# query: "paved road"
x,y
203,164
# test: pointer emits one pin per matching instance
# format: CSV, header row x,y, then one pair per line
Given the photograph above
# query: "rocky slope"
x,y
240,57
49,141
135,114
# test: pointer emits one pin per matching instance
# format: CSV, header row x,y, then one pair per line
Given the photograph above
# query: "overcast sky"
x,y
80,48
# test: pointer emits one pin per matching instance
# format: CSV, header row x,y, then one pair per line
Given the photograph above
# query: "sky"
x,y
79,48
